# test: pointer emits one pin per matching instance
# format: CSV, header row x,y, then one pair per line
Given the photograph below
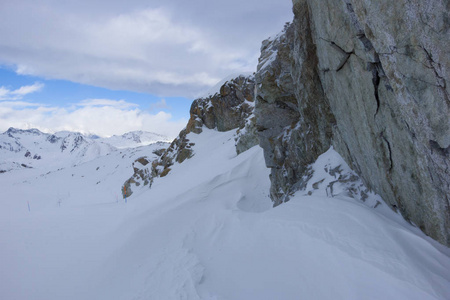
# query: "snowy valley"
x,y
207,230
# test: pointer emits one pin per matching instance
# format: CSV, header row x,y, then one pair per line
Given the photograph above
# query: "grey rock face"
x,y
247,137
226,110
370,78
292,114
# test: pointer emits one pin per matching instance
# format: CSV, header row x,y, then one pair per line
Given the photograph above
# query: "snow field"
x,y
207,231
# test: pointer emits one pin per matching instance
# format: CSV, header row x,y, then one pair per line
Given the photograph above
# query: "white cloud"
x,y
28,89
103,120
159,105
169,48
19,104
7,94
3,92
120,104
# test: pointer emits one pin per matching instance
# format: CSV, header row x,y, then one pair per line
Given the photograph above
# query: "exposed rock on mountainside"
x,y
140,176
369,78
142,170
293,117
229,108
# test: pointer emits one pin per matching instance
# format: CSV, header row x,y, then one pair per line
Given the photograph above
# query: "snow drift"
x,y
208,231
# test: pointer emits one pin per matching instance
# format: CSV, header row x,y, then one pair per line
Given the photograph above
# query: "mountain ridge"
x,y
28,148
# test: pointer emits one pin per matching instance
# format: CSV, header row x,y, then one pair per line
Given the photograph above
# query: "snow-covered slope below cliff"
x,y
207,230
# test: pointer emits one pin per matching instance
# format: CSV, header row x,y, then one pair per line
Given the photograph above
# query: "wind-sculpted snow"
x,y
207,230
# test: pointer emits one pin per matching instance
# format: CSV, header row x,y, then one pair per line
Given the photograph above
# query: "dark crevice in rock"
x,y
365,41
338,48
344,61
376,83
377,75
413,134
442,84
354,18
260,128
283,105
346,54
435,147
388,144
430,173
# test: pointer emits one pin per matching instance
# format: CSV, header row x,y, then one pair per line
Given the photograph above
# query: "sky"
x,y
111,66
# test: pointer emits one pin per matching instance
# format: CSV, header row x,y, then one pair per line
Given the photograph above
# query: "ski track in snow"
x,y
205,231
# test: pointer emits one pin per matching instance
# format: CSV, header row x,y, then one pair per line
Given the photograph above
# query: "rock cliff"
x,y
229,108
369,78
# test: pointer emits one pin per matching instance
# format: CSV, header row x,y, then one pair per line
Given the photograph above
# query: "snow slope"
x,y
207,231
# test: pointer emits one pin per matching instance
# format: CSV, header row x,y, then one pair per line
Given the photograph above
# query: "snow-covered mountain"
x,y
198,222
134,139
323,176
207,230
34,149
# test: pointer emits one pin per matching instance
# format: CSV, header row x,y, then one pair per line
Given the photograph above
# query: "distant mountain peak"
x,y
73,140
135,139
13,130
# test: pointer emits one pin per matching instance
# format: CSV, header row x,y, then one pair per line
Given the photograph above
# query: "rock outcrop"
x,y
371,79
292,114
142,171
140,176
230,108
225,110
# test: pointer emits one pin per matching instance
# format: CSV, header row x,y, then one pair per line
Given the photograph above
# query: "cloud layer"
x,y
169,48
12,95
104,117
